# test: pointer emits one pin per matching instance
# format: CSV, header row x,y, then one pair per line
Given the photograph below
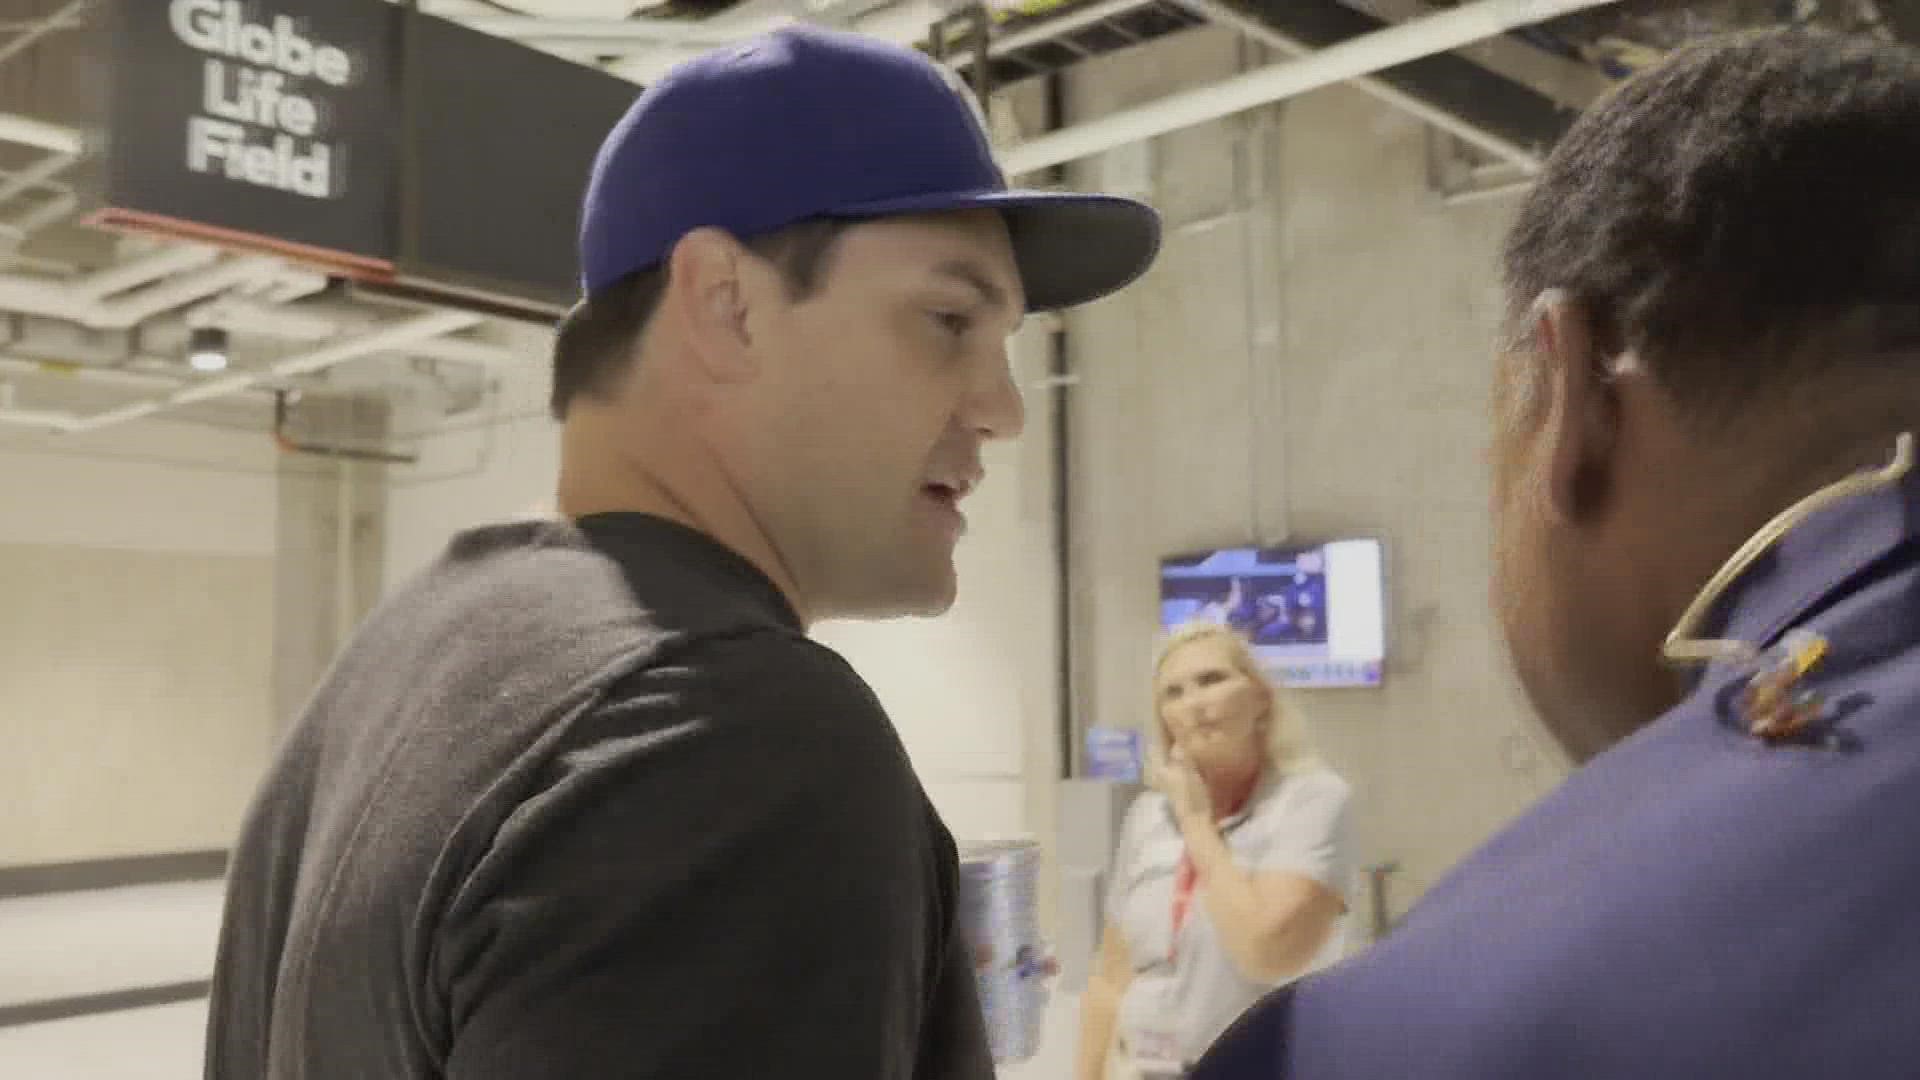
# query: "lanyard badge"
x,y
1184,880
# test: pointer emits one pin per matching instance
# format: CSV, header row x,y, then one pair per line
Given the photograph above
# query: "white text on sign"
x,y
260,126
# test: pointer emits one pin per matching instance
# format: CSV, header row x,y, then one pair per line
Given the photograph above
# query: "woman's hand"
x,y
1175,777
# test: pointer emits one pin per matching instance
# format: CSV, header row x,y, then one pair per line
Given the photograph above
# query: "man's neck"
x,y
594,480
1721,509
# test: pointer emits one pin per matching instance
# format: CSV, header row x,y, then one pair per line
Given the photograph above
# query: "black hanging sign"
x,y
265,119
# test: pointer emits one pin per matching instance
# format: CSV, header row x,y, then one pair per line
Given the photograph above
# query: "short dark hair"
x,y
598,338
1745,216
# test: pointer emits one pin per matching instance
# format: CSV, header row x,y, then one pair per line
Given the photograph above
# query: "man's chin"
x,y
937,600
929,596
940,587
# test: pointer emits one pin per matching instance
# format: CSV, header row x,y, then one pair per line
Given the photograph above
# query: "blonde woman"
x,y
1231,874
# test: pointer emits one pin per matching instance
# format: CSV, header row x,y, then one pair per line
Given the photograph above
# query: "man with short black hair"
x,y
1707,553
596,340
584,800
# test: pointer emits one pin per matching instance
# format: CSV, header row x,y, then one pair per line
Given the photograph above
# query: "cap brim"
x,y
1072,248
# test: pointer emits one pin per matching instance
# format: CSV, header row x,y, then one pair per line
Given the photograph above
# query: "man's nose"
x,y
995,409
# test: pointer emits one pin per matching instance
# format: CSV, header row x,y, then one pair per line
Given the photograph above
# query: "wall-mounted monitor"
x,y
1316,614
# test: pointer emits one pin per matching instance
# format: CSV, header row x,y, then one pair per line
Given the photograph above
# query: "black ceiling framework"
x,y
1123,30
1447,83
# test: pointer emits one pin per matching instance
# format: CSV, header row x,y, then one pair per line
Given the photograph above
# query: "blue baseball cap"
x,y
806,122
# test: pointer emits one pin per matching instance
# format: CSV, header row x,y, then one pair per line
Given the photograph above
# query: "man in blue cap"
x,y
583,800
1707,558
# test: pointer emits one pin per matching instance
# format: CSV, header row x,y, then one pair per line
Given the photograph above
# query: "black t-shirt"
x,y
583,801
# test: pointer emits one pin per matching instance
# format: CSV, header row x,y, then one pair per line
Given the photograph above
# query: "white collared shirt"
x,y
1185,989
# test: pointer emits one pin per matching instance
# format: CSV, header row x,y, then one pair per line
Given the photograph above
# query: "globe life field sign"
x,y
271,118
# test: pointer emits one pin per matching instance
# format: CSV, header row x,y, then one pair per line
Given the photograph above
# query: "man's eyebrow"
x,y
971,274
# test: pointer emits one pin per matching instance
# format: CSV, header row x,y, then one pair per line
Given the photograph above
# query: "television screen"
x,y
1315,614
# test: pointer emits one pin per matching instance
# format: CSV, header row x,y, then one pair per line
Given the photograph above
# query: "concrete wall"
x,y
136,637
331,549
501,463
169,594
1309,360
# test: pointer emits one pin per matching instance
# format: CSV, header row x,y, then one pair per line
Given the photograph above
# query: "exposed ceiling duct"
x,y
109,314
53,138
602,33
396,334
1361,56
1503,76
192,275
307,325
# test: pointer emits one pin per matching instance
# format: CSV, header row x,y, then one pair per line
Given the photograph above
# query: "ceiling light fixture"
x,y
207,349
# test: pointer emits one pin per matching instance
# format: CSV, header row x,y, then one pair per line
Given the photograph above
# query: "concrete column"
x,y
332,541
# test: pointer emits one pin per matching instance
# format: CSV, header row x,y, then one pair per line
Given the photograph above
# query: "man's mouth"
x,y
950,490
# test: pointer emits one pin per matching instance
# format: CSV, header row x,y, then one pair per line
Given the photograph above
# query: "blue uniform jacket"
x,y
1692,904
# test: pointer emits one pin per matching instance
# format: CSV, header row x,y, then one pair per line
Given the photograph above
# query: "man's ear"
x,y
1582,416
708,294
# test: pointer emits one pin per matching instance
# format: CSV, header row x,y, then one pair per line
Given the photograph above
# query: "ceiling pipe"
x,y
455,350
1043,30
59,20
903,22
282,413
17,231
53,138
1382,49
531,28
123,378
645,65
244,317
292,283
166,262
40,174
91,303
130,311
1525,158
40,418
394,335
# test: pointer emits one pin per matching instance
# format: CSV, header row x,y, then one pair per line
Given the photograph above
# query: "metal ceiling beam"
x,y
1365,54
391,336
1048,29
614,32
1495,115
53,138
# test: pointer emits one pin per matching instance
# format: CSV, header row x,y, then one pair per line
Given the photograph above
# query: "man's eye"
x,y
953,323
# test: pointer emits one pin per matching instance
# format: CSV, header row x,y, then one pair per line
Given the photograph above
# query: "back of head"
x,y
1744,217
1715,300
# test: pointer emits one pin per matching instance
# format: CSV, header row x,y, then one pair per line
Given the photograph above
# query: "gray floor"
x,y
105,949
113,950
